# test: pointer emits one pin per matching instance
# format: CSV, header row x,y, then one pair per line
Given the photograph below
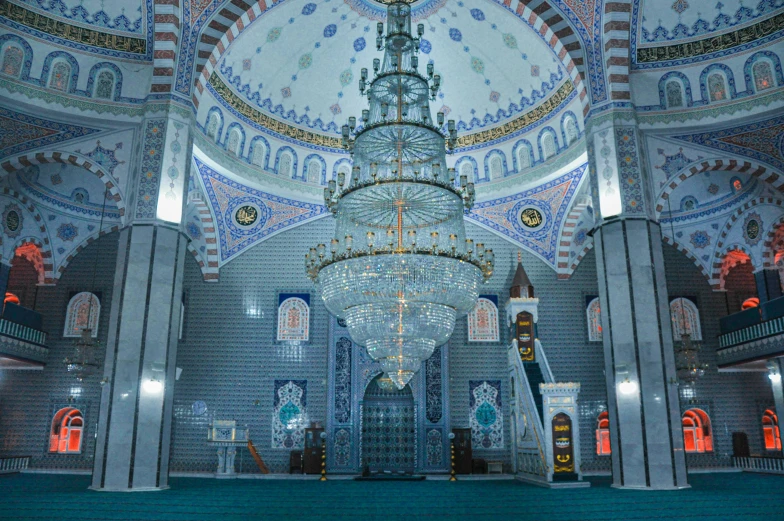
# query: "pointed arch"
x,y
547,143
495,165
234,143
209,266
73,70
522,155
726,259
85,242
725,164
43,261
12,39
259,152
570,130
466,165
292,164
314,168
777,77
213,124
565,268
70,158
729,83
93,77
689,255
666,81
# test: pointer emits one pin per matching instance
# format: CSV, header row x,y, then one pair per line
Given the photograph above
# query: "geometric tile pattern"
x,y
550,200
270,214
20,132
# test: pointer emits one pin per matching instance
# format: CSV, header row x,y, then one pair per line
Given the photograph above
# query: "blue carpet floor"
x,y
712,496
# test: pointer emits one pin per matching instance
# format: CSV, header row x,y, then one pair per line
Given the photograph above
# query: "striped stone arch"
x,y
671,241
773,241
565,268
46,269
72,158
208,262
726,259
85,243
229,21
166,40
719,261
751,168
616,34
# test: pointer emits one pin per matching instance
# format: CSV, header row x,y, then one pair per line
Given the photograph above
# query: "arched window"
x,y
770,430
570,129
468,171
293,319
314,172
233,143
697,436
259,153
60,77
717,89
65,436
548,146
13,58
685,319
496,168
212,126
674,91
104,86
284,167
347,172
603,434
83,312
523,157
594,321
763,75
483,321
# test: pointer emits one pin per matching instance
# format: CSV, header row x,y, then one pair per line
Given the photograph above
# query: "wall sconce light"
x,y
153,386
104,381
627,386
773,371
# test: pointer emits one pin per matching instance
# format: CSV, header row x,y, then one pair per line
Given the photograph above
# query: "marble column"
x,y
134,424
643,405
776,367
5,270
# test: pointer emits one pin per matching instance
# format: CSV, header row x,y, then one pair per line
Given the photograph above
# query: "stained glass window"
x,y
674,94
571,131
212,126
697,435
293,319
770,430
258,154
467,171
603,435
594,321
105,85
83,312
716,88
483,321
314,172
233,145
13,60
548,145
496,168
524,156
763,76
65,436
284,167
61,75
685,319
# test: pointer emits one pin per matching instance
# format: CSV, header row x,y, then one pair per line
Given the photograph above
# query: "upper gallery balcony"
x,y
753,334
22,342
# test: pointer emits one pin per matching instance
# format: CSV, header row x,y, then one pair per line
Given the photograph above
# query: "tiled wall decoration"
x,y
289,414
293,316
486,420
483,320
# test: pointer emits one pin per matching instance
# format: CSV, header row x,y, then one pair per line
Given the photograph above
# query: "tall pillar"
x,y
134,424
5,270
775,370
642,394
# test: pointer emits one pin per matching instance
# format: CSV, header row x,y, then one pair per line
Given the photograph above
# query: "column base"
x,y
652,489
137,489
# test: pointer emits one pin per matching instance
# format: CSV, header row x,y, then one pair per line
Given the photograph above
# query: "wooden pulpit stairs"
x,y
260,462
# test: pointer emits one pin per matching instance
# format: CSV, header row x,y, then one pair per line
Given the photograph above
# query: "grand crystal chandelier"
x,y
400,269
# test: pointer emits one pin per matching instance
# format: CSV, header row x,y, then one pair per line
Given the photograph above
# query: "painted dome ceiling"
x,y
300,62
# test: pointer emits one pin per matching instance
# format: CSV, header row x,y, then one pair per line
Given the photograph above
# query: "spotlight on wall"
x,y
774,377
153,386
627,386
773,372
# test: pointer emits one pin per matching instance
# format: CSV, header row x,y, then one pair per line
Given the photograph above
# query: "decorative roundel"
x,y
752,229
199,408
342,322
246,215
12,220
531,218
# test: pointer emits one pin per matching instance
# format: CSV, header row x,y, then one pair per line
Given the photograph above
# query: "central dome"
x,y
299,63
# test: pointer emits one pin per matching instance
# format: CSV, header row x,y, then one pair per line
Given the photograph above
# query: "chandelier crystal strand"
x,y
399,269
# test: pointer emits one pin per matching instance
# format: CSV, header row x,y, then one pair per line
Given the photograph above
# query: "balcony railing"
x,y
21,337
752,334
9,464
28,334
760,464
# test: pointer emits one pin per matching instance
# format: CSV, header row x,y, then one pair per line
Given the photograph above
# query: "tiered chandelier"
x,y
414,272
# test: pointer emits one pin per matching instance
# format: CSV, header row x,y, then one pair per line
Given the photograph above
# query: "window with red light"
x,y
770,430
66,433
603,434
697,435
